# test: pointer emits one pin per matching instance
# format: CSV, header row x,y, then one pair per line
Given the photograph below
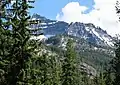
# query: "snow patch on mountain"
x,y
88,31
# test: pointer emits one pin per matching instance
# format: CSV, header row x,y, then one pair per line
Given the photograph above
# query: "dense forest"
x,y
28,61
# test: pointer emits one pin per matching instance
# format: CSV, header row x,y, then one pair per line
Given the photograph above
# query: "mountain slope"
x,y
88,31
50,27
92,54
91,33
93,44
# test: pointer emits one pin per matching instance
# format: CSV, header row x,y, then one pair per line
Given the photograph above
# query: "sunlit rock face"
x,y
88,31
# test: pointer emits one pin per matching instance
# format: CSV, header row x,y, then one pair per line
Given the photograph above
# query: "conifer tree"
x,y
108,77
69,69
18,53
101,79
116,60
116,65
5,42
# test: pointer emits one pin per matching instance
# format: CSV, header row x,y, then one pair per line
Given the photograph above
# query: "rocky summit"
x,y
88,31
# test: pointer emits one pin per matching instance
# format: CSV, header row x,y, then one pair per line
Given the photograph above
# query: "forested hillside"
x,y
64,59
95,55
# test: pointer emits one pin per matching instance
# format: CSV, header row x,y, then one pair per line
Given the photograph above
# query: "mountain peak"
x,y
88,31
91,33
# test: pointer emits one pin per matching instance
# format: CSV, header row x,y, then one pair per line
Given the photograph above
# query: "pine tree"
x,y
108,77
17,46
116,64
116,60
69,69
101,79
5,42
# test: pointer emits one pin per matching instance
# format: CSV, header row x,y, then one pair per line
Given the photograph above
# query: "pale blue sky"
x,y
50,8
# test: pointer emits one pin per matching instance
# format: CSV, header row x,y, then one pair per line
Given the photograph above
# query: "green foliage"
x,y
86,52
25,62
69,67
115,64
108,77
15,43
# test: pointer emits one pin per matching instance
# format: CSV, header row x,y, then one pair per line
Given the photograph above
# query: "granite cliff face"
x,y
88,31
50,27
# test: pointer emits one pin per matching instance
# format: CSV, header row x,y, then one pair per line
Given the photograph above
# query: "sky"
x,y
50,8
101,13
